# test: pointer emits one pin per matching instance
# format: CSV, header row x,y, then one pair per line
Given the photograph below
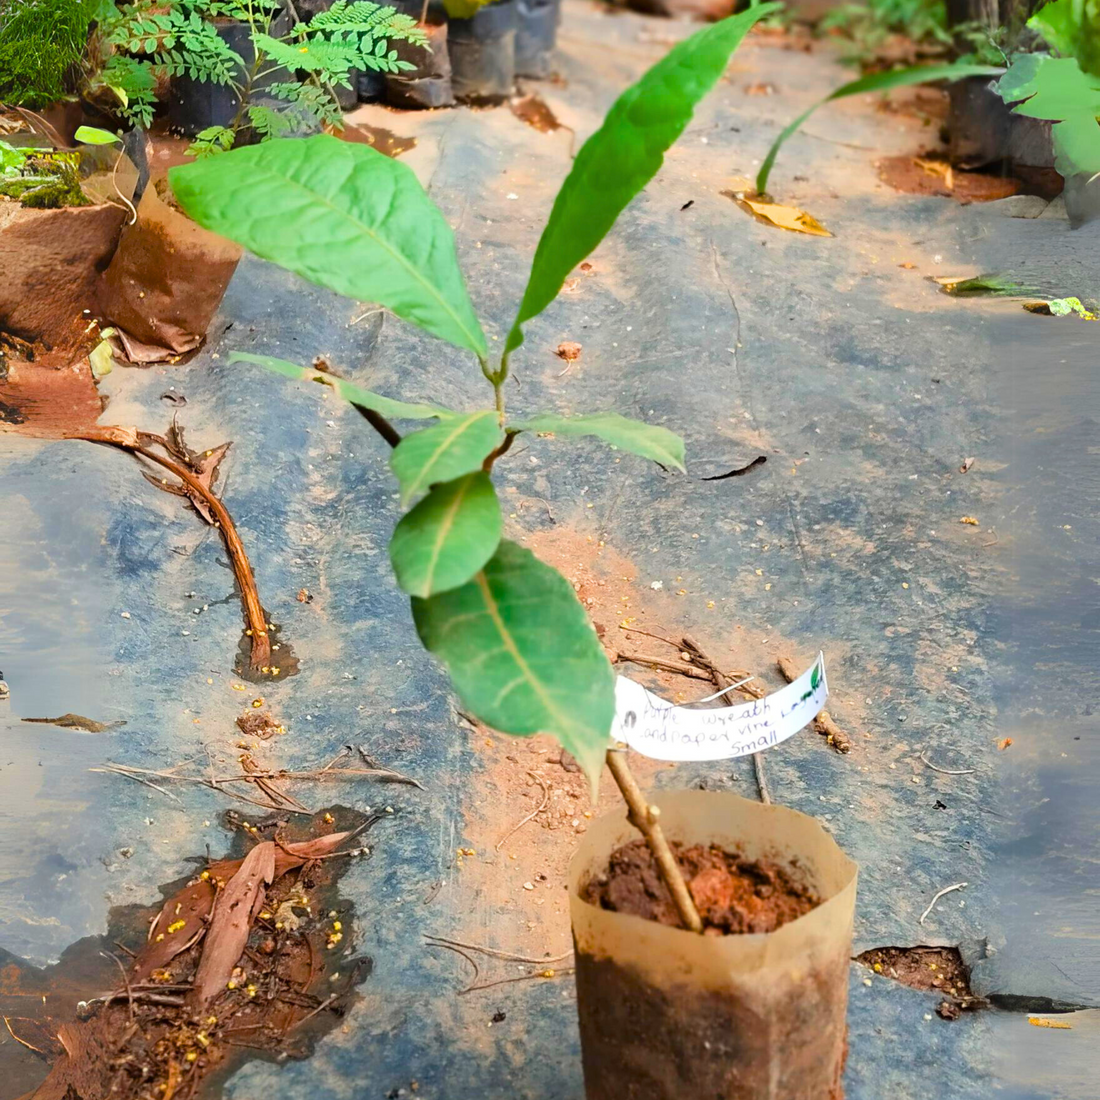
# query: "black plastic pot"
x,y
483,52
536,34
370,86
194,105
429,85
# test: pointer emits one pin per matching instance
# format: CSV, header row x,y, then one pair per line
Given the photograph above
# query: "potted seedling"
x,y
752,1016
59,226
247,67
427,81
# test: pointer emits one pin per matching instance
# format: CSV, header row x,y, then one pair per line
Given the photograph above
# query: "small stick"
x,y
945,771
242,569
458,951
823,723
945,890
656,637
720,681
533,814
644,818
125,981
690,671
136,778
521,978
320,1008
506,955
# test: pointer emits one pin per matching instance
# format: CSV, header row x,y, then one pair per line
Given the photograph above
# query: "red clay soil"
x,y
733,894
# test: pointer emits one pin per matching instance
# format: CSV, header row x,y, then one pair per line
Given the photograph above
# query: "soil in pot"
x,y
755,1008
166,280
483,53
733,894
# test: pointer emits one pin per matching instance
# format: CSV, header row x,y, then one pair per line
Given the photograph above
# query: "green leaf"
x,y
815,677
92,135
458,446
646,440
1057,90
344,216
448,536
876,82
386,406
624,154
1071,27
523,655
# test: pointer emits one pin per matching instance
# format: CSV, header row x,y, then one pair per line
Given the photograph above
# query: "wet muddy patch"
x,y
248,956
938,970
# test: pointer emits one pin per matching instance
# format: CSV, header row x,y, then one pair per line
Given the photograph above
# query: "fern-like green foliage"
x,y
41,43
144,37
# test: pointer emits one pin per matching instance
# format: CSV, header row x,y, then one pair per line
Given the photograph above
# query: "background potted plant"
x,y
481,38
246,65
519,647
61,212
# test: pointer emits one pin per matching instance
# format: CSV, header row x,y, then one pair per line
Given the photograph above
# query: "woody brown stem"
x,y
644,818
242,570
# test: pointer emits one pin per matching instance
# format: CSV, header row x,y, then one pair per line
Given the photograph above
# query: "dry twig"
x,y
533,814
945,771
945,890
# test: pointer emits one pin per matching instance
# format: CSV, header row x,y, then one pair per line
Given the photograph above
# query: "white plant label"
x,y
661,730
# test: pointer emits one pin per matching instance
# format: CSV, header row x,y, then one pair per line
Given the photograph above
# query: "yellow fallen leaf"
x,y
1039,1021
970,520
774,213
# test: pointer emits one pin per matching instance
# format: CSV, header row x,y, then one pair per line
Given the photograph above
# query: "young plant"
x,y
1064,90
317,57
875,82
519,646
868,25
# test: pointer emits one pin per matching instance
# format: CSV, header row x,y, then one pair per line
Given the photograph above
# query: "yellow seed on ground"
x,y
191,1055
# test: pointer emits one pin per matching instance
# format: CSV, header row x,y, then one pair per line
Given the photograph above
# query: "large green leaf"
x,y
1072,27
386,406
646,440
523,654
458,446
876,82
1057,90
448,536
341,215
623,155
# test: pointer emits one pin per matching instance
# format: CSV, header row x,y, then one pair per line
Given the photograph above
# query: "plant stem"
x,y
644,818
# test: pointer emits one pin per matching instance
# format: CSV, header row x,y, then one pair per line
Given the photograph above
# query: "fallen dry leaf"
x,y
760,88
967,463
970,520
774,213
570,350
235,909
1039,1021
1004,743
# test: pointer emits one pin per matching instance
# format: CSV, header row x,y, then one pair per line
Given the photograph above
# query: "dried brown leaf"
x,y
235,908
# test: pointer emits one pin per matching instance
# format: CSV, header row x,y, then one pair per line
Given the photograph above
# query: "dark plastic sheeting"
x,y
748,341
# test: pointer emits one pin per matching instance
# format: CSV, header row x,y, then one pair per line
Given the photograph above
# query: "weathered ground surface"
x,y
863,385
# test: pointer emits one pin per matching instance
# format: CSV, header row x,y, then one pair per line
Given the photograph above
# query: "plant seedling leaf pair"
x,y
520,648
